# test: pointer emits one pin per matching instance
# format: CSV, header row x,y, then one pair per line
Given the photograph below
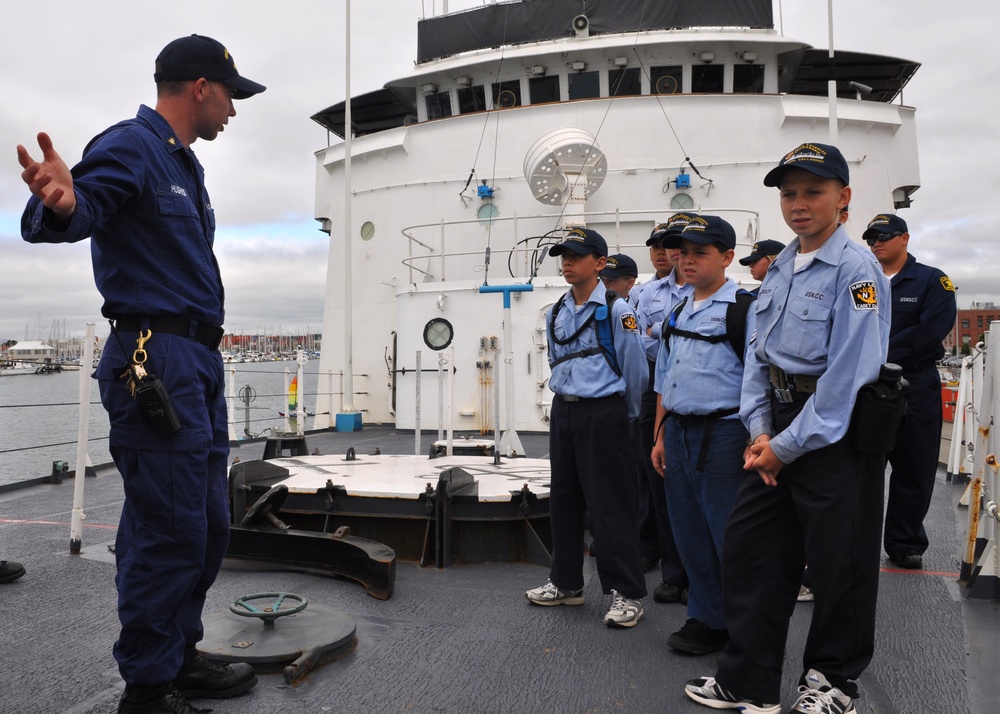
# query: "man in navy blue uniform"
x,y
598,376
923,312
139,193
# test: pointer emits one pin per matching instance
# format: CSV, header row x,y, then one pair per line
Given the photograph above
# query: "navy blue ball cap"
x,y
673,226
885,223
620,265
704,229
762,249
821,159
582,241
197,56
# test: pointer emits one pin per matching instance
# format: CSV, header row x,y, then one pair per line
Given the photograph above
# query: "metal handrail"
x,y
445,255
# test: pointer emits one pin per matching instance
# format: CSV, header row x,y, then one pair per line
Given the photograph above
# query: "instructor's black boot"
x,y
157,699
199,678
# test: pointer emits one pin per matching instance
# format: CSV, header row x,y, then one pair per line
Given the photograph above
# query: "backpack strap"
x,y
736,321
601,316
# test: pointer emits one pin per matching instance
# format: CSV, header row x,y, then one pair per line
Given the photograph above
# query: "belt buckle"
x,y
570,398
783,396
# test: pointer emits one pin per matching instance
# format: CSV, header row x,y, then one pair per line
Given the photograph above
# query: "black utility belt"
x,y
172,325
570,398
789,388
688,420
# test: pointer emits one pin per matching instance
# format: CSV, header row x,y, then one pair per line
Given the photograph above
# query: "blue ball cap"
x,y
762,249
704,229
198,56
582,241
620,265
885,223
673,226
821,159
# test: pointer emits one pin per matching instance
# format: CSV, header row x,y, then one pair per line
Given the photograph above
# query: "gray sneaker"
x,y
549,594
624,611
818,696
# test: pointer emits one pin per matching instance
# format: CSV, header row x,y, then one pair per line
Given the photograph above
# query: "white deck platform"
x,y
406,477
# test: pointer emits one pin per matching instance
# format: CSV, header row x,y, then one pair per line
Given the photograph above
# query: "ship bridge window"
x,y
706,78
584,85
625,82
471,99
438,105
666,80
507,94
748,78
543,89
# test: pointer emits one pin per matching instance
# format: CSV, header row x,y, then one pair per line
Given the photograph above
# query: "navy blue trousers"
x,y
914,464
174,526
825,511
593,469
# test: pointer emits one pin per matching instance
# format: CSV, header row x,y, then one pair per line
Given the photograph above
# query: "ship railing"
x,y
518,231
974,445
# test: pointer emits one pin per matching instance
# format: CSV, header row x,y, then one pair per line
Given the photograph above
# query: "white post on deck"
x,y
510,444
416,410
231,398
300,395
82,432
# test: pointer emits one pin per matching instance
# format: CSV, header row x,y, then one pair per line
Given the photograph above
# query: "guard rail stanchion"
x,y
980,569
76,520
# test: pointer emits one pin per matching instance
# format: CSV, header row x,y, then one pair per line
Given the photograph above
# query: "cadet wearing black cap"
x,y
598,376
139,192
619,275
761,256
822,333
654,300
923,312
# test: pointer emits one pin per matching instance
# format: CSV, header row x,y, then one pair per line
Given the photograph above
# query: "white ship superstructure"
x,y
522,119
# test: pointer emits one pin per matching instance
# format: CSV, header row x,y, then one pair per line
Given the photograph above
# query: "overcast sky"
x,y
72,68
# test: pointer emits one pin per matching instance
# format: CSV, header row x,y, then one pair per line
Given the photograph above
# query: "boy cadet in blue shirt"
x,y
923,312
654,301
139,194
699,438
593,469
822,333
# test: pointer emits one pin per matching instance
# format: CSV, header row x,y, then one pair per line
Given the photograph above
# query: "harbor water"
x,y
39,414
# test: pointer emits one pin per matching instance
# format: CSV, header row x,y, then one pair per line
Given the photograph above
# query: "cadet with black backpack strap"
x,y
699,440
597,382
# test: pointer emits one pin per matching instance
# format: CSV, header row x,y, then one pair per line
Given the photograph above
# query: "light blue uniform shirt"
x,y
831,320
590,377
655,300
697,377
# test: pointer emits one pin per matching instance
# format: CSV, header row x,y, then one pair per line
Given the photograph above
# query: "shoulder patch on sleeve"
x,y
863,295
629,323
947,284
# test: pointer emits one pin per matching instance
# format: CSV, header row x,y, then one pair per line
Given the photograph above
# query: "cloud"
x,y
73,68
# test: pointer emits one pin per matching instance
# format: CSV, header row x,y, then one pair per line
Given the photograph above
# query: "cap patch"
x,y
629,323
947,284
805,152
863,295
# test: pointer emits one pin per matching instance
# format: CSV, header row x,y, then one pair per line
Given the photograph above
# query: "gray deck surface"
x,y
462,639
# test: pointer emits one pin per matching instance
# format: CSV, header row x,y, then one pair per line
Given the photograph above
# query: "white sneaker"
x,y
705,690
818,696
549,594
624,611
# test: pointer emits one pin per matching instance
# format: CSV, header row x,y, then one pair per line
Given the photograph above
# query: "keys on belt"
x,y
788,388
